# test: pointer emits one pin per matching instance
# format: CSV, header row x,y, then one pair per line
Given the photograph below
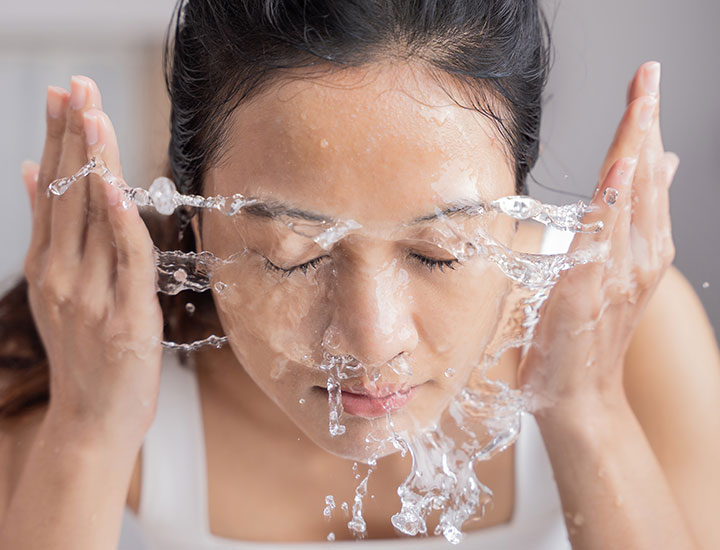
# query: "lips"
x,y
362,402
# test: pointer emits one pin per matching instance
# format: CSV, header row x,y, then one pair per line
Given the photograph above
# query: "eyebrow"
x,y
274,209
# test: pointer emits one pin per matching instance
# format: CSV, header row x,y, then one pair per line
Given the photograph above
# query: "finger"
x,y
98,255
56,108
620,257
645,82
631,133
136,272
69,209
607,205
664,230
29,171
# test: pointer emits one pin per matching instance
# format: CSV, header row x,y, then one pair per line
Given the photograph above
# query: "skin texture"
x,y
616,463
369,297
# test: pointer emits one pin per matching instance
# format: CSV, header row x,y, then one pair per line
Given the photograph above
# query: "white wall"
x,y
598,45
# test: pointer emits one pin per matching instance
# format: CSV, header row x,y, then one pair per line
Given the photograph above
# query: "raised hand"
x,y
91,277
587,322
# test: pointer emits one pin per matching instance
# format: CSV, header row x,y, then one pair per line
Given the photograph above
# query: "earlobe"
x,y
197,234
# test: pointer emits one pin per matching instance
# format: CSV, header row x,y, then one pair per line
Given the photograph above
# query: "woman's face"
x,y
382,152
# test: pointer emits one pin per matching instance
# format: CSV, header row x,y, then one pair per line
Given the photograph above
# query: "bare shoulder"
x,y
17,436
674,344
672,381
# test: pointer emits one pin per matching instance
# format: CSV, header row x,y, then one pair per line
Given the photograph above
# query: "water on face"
x,y
483,417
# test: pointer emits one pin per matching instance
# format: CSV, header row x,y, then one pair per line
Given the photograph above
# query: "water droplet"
x,y
329,506
301,401
331,536
220,287
449,373
180,275
190,308
706,285
162,194
610,195
323,143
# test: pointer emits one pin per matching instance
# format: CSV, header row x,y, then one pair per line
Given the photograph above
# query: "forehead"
x,y
381,145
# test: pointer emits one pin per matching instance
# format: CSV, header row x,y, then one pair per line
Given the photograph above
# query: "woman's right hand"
x,y
91,277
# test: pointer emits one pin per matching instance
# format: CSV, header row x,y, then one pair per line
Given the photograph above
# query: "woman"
x,y
352,111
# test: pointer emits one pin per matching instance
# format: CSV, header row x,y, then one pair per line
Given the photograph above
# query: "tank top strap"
x,y
174,473
537,500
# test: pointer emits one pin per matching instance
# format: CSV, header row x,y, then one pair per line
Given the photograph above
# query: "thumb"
x,y
29,171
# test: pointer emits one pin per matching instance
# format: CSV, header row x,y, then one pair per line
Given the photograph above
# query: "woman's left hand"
x,y
586,324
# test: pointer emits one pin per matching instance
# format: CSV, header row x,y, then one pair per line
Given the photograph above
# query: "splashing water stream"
x,y
481,420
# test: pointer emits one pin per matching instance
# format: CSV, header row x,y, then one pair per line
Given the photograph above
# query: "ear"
x,y
195,226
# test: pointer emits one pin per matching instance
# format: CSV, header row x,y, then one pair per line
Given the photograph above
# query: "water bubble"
x,y
190,308
610,195
329,506
180,275
162,194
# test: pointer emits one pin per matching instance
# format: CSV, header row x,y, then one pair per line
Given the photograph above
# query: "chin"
x,y
365,438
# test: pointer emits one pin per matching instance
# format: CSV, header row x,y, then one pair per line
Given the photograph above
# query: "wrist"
x,y
90,435
588,413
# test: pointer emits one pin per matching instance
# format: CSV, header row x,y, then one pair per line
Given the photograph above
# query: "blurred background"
x,y
597,48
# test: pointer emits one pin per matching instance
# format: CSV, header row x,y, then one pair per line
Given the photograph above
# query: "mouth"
x,y
369,404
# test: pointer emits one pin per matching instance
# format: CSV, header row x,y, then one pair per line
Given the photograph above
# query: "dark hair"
x,y
488,55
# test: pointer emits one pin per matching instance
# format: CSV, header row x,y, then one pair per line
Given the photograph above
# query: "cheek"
x,y
262,310
460,316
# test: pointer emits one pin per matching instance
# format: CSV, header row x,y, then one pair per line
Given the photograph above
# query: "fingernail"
x,y
651,79
54,101
78,92
90,125
647,113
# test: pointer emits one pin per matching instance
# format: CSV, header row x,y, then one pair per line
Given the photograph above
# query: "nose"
x,y
373,315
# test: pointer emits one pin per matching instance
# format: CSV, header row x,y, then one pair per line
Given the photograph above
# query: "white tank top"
x,y
173,511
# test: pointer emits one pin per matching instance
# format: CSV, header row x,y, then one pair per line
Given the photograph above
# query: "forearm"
x,y
613,491
71,492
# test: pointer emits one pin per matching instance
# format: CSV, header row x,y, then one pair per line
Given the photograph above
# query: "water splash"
x,y
484,417
566,217
482,420
329,507
357,524
212,340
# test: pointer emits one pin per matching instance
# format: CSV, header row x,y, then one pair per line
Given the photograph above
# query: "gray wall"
x,y
598,45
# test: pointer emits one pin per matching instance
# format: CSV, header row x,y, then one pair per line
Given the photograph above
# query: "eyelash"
x,y
312,264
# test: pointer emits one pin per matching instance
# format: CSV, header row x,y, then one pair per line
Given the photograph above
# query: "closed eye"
x,y
432,263
286,272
